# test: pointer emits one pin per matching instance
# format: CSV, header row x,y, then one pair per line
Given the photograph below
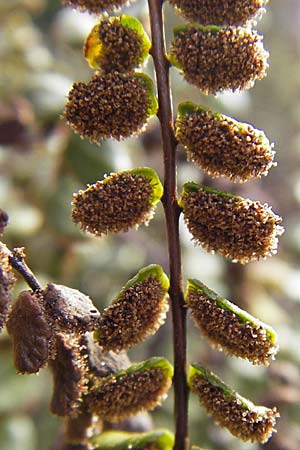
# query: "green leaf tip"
x,y
186,108
150,363
198,371
139,388
137,312
179,29
118,440
151,176
133,23
191,187
153,271
229,409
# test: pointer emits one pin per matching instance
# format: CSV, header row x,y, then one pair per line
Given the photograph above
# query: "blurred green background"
x,y
42,163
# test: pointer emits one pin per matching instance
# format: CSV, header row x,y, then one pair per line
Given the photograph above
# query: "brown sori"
x,y
114,204
243,419
215,59
7,281
95,6
222,146
31,333
117,397
70,376
228,327
138,312
219,12
111,105
237,228
69,310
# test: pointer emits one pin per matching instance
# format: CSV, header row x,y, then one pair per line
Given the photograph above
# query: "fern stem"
x,y
172,213
16,260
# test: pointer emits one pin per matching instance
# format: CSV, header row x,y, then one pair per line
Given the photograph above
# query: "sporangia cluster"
x,y
217,59
110,105
140,311
95,6
230,329
219,12
238,415
113,205
221,146
135,391
237,228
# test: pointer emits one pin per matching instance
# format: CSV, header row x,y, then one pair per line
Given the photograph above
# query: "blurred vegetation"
x,y
42,163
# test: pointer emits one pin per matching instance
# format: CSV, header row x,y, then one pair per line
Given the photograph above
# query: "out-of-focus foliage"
x,y
43,163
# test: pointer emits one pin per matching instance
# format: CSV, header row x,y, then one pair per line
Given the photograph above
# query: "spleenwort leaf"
x,y
228,327
229,409
221,146
141,387
237,228
219,12
119,202
111,105
215,58
138,311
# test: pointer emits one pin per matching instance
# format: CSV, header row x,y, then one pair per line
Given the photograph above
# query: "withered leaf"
x,y
31,333
70,310
69,372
